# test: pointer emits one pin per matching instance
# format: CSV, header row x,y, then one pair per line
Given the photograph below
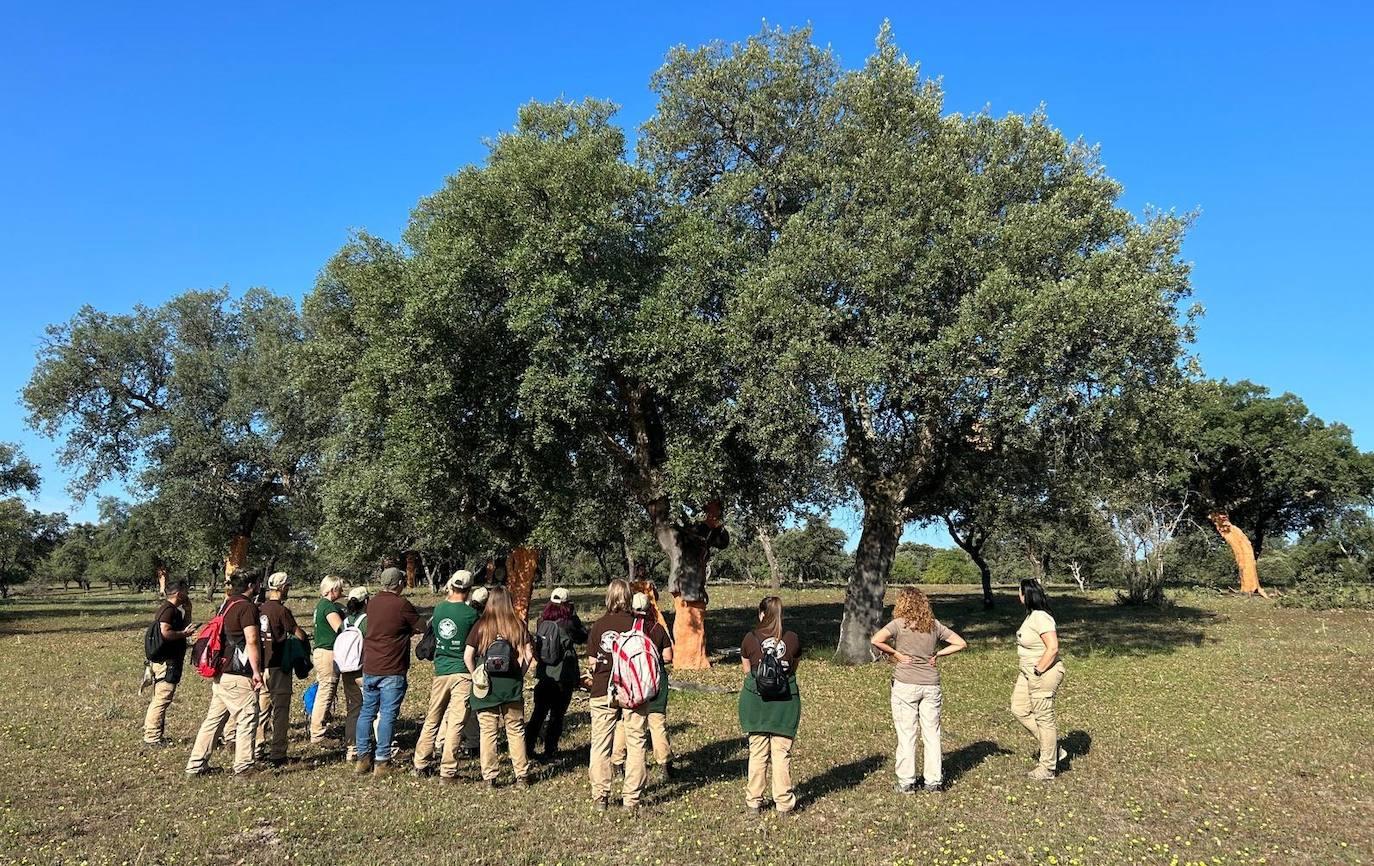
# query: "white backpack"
x,y
634,668
348,647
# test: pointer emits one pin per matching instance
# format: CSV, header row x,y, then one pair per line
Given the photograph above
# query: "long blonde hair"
x,y
913,609
499,619
618,596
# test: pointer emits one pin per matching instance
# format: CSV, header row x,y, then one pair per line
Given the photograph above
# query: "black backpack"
x,y
153,641
549,636
500,658
425,649
771,679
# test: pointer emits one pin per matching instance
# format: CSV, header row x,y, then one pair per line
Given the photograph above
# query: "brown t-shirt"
x,y
599,646
276,624
174,649
754,643
239,613
920,646
391,620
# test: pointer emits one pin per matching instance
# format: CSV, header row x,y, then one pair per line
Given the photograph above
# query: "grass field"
x,y
1222,730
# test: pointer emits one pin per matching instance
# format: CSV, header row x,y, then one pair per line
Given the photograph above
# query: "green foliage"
x,y
950,566
16,472
814,552
910,562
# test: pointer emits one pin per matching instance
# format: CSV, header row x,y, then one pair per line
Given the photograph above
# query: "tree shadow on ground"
x,y
966,758
838,777
1087,626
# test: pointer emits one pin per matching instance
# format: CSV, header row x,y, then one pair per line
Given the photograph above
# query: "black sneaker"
x,y
933,789
901,788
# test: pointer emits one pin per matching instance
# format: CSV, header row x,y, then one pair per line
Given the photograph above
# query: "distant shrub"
x,y
951,566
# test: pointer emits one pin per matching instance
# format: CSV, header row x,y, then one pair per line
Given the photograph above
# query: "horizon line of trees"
x,y
808,286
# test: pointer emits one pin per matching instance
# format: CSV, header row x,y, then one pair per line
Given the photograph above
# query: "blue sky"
x,y
146,148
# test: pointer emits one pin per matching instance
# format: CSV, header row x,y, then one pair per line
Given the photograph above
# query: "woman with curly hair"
x,y
913,641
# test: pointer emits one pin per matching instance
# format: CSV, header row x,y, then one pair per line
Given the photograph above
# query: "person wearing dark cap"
x,y
391,620
234,695
558,634
167,665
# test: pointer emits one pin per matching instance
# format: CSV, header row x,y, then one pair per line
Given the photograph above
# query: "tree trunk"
x,y
863,598
774,573
600,555
412,566
629,560
1243,552
520,568
161,579
238,554
986,572
689,617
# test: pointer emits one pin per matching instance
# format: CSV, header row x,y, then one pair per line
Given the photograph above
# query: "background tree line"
x,y
808,286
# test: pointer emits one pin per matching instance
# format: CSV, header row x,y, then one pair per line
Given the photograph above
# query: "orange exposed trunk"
x,y
520,568
412,565
689,635
162,579
238,554
1242,550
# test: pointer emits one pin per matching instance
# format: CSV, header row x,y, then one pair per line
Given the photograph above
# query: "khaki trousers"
x,y
155,721
604,722
1032,702
767,750
230,697
274,714
351,684
448,707
658,736
913,707
328,680
489,722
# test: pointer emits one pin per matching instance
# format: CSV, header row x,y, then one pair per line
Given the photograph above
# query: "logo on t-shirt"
x,y
447,629
264,627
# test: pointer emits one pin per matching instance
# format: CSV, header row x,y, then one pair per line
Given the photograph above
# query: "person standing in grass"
x,y
913,640
770,707
605,715
391,621
1041,674
277,625
448,695
351,682
167,665
328,620
500,643
657,707
234,693
559,632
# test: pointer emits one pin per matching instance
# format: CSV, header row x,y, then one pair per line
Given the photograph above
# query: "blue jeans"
x,y
382,698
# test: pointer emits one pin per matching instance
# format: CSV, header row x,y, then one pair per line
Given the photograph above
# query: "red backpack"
x,y
209,645
635,668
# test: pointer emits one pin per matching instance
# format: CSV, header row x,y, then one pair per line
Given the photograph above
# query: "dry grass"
x,y
1222,730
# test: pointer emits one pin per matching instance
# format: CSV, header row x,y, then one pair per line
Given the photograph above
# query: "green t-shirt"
x,y
324,632
451,623
359,620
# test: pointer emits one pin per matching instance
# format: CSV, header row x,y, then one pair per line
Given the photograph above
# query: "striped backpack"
x,y
636,671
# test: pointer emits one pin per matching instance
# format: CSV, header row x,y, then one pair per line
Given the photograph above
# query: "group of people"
x,y
482,650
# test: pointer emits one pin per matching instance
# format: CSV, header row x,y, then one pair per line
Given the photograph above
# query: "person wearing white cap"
x,y
351,682
276,625
448,694
470,743
556,675
657,708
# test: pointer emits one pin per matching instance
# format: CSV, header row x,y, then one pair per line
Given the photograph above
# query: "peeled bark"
x,y
412,566
238,553
863,598
161,579
1243,552
520,568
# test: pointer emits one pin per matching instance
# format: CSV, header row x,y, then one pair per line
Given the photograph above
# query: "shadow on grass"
x,y
1087,626
838,777
1076,744
966,758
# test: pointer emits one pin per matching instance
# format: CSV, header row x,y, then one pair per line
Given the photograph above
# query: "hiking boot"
x,y
364,765
157,744
788,813
491,784
1040,774
905,788
522,784
631,809
601,804
935,788
422,772
383,768
448,780
275,763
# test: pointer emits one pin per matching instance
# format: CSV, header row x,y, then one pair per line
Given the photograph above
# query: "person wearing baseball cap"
x,y
391,620
448,695
556,675
657,707
277,624
351,682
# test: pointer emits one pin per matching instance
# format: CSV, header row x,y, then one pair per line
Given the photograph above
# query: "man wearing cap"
x,y
391,620
277,624
453,619
166,667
